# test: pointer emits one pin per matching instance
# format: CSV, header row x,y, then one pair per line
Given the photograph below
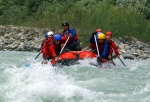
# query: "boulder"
x,y
17,36
133,39
127,47
7,36
1,47
143,56
147,51
140,44
128,51
126,38
20,47
128,56
135,54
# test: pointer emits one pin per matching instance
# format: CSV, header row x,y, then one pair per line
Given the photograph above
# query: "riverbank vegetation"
x,y
122,17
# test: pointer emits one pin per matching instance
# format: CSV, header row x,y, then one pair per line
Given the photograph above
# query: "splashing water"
x,y
76,83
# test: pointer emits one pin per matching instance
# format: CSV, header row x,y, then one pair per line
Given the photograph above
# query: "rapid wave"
x,y
76,83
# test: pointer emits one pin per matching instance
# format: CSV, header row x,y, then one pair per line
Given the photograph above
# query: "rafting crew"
x,y
54,45
103,45
73,43
113,46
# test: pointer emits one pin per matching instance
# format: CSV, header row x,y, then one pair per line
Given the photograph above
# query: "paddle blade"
x,y
27,65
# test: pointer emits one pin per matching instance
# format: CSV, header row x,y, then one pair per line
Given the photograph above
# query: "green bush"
x,y
84,15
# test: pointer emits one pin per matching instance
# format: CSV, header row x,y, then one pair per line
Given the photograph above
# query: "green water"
x,y
76,83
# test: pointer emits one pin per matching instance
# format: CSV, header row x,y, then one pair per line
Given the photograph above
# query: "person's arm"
x,y
93,46
114,46
105,52
110,53
72,33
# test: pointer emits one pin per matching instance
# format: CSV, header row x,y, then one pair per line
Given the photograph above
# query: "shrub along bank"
x,y
84,15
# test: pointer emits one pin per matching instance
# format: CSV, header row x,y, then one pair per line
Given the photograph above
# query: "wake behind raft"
x,y
72,57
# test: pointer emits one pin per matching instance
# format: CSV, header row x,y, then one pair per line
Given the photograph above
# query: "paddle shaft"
x,y
113,62
122,61
37,56
53,61
118,57
64,45
97,50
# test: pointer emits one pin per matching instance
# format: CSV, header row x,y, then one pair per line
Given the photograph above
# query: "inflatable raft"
x,y
72,57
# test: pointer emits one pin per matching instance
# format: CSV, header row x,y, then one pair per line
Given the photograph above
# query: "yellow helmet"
x,y
101,36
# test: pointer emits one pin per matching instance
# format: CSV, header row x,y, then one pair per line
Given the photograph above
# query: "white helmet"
x,y
49,34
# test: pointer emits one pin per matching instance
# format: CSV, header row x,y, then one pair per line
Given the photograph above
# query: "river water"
x,y
76,83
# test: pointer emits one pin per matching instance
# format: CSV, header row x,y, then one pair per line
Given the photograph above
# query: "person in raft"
x,y
113,46
103,45
97,31
48,39
73,43
53,48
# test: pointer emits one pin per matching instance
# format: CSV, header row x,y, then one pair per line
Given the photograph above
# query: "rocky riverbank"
x,y
14,38
21,38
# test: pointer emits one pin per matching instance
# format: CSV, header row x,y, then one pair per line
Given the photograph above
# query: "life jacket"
x,y
45,47
65,36
53,50
104,49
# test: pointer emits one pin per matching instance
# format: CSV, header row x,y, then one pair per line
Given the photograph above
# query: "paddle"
x,y
99,57
118,57
28,64
113,62
53,61
37,55
122,61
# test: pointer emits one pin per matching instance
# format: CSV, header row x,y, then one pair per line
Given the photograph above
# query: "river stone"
x,y
21,46
144,56
133,39
128,56
120,39
134,45
135,54
1,47
17,37
126,38
147,51
127,47
7,36
30,37
128,51
133,50
22,39
6,42
140,46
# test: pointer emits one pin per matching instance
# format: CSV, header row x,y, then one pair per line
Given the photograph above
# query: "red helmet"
x,y
109,33
98,30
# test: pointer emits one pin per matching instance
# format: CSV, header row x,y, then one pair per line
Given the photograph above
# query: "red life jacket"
x,y
45,47
53,49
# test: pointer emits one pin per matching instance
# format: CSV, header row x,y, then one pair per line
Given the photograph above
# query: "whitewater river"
x,y
76,83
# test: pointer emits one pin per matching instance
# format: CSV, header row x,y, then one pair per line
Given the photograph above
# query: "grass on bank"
x,y
86,17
